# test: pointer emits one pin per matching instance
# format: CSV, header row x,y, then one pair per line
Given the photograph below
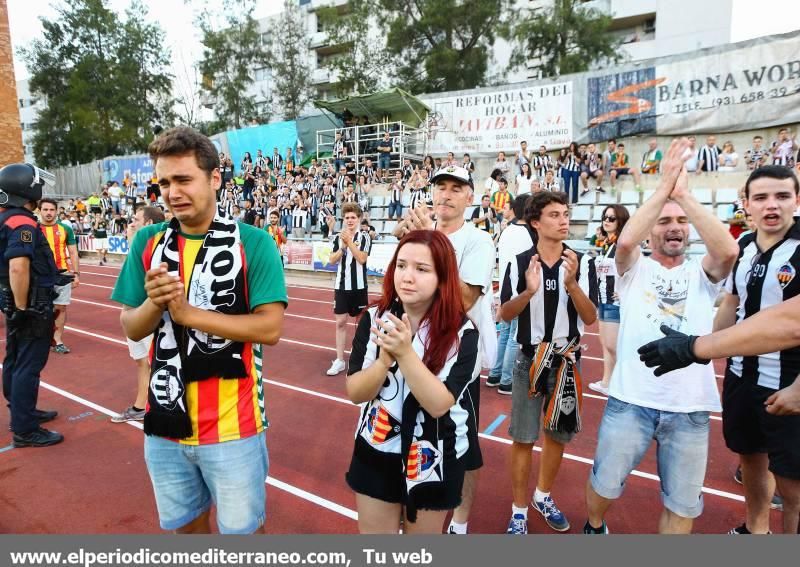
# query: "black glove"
x,y
16,318
673,352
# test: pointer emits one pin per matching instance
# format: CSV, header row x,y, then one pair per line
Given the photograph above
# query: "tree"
x,y
443,45
104,79
231,56
565,38
362,67
291,75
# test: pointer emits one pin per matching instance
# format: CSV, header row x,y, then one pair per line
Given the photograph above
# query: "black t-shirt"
x,y
100,229
249,216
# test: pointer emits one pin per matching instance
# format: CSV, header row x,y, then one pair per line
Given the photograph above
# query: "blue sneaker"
x,y
518,525
552,515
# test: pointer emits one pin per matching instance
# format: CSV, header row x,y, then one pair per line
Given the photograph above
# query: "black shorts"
x,y
350,302
473,458
748,428
380,476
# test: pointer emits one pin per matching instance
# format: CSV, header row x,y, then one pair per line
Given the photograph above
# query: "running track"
x,y
96,481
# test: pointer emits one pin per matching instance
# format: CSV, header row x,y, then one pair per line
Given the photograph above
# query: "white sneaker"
x,y
337,367
598,387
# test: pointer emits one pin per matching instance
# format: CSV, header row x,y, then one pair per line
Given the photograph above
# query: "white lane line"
x,y
119,307
279,484
95,335
567,456
97,285
115,276
313,498
496,439
108,305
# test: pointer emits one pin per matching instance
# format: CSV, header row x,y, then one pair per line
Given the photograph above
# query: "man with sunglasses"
x,y
764,275
674,289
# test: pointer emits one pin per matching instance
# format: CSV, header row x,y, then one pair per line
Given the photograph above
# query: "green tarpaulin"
x,y
396,105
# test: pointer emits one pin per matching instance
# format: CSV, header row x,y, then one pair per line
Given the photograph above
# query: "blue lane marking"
x,y
495,424
4,449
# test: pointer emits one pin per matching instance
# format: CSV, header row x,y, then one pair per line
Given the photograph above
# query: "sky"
x,y
176,19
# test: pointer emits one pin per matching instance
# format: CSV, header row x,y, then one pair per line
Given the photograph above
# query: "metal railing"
x,y
361,142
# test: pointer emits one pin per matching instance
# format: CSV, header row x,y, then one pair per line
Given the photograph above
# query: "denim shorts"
x,y
526,412
188,478
608,313
626,432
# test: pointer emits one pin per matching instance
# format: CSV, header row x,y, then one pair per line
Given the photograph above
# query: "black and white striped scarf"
x,y
181,355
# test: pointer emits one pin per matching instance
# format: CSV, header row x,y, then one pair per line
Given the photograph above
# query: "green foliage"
x,y
443,45
565,38
104,79
231,55
362,66
290,70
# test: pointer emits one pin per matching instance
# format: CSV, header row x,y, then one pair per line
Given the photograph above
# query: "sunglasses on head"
x,y
610,219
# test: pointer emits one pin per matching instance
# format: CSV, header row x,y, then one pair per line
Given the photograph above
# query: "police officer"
x,y
28,275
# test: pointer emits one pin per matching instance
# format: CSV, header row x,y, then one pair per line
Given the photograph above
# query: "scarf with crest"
x,y
217,282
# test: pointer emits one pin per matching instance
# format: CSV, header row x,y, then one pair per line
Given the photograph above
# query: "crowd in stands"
x,y
305,199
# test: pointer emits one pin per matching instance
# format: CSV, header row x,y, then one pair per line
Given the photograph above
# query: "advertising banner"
x,y
322,251
379,258
299,255
116,244
138,169
740,87
491,120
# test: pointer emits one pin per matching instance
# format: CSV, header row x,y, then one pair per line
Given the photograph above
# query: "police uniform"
x,y
29,331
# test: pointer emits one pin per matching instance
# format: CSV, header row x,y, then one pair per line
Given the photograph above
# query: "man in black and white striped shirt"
x,y
351,248
708,156
552,291
764,275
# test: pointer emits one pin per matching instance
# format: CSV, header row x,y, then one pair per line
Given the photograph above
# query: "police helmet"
x,y
21,183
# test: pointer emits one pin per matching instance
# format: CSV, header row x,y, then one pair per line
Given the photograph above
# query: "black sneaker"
x,y
737,476
38,438
504,389
45,415
600,190
739,530
493,381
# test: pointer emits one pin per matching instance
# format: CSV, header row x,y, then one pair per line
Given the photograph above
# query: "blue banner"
x,y
138,168
266,137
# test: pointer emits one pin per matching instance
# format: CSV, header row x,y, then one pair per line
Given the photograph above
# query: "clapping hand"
x,y
570,263
533,275
393,336
162,287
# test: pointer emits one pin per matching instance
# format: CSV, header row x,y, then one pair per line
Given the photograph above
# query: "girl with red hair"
x,y
414,353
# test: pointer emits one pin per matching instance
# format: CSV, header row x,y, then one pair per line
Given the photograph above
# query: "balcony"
x,y
320,75
317,4
619,9
318,39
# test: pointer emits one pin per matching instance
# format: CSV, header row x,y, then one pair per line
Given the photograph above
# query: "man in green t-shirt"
x,y
212,292
651,160
620,165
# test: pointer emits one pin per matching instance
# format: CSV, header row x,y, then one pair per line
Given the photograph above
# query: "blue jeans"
x,y
188,478
506,352
626,432
571,184
384,161
608,313
395,209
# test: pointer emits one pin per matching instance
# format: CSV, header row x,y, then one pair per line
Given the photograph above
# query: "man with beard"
x,y
673,289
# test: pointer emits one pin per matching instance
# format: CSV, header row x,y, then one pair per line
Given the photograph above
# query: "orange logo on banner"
x,y
634,105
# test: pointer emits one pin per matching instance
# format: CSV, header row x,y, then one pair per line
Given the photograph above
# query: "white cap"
x,y
453,172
